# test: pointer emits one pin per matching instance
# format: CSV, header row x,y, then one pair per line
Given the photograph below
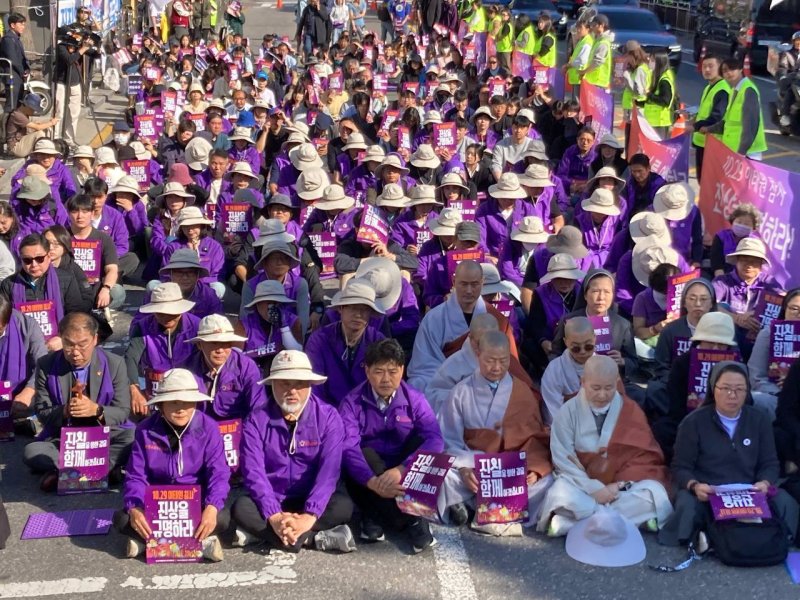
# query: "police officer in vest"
x,y
713,104
598,71
659,106
579,59
742,127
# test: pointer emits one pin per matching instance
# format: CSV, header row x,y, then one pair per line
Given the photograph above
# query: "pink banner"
x,y
669,158
597,105
521,65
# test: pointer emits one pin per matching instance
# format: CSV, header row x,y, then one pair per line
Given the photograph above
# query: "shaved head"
x,y
494,339
481,324
469,269
467,285
494,355
599,381
578,326
601,367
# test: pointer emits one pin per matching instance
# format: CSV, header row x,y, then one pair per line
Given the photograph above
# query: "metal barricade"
x,y
681,15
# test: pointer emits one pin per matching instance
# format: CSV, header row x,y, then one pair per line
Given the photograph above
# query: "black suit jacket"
x,y
11,48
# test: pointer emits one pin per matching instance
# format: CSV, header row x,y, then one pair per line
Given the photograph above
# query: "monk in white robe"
x,y
604,453
492,411
444,328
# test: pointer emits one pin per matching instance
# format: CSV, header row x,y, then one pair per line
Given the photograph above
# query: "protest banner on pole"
x,y
597,104
669,158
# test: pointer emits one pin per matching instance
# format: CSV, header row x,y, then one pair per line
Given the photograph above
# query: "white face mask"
x,y
122,138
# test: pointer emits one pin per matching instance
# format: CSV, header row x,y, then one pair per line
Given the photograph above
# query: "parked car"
x,y
640,24
572,7
733,28
533,8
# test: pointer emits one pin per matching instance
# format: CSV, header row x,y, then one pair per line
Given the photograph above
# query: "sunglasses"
x,y
585,348
29,260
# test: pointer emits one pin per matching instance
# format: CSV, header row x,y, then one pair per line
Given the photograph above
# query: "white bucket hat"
x,y
394,161
610,140
601,201
357,292
139,150
311,184
88,152
606,539
241,133
293,365
445,222
392,196
374,154
197,152
178,384
192,215
241,167
455,180
355,141
647,255
126,184
270,290
536,176
296,137
493,284
483,111
167,299
432,116
272,230
425,157
562,266
609,172
173,188
674,201
508,187
422,193
334,198
46,146
384,276
305,157
530,230
102,156
216,328
748,246
650,224
715,328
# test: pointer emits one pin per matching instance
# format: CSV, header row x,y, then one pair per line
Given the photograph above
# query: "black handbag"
x,y
746,544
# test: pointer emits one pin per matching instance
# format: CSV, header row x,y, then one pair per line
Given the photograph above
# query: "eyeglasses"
x,y
729,391
29,260
585,348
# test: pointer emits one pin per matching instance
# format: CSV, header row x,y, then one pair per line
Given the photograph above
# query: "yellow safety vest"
x,y
707,105
573,76
505,43
529,47
627,94
477,22
549,59
657,115
732,133
601,76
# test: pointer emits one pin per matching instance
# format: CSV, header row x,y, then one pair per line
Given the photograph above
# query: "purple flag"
x,y
422,483
83,460
231,432
700,364
784,348
502,488
521,65
173,512
603,338
739,504
95,521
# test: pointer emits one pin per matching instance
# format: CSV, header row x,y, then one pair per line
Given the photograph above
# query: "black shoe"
x,y
371,531
419,532
49,481
459,515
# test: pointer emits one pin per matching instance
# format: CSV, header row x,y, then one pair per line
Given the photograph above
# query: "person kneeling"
x,y
386,421
290,457
180,445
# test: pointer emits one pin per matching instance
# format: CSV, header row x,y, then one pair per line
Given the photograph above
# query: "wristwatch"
x,y
100,414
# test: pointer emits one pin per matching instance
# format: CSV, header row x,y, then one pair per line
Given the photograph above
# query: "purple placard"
x,y
422,483
324,243
444,136
739,504
466,207
146,127
336,82
380,83
502,488
152,73
173,513
88,256
766,310
497,86
44,313
199,120
603,337
423,235
231,432
504,306
169,101
454,257
389,117
681,345
784,348
138,170
6,420
374,228
96,521
135,84
83,460
404,138
675,285
236,218
700,364
793,566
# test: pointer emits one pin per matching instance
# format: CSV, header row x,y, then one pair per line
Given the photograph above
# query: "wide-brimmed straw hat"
x,y
384,276
216,328
126,184
422,193
568,240
178,384
453,180
272,230
192,215
748,246
392,196
601,201
647,255
508,187
355,141
392,160
674,201
494,284
650,224
167,299
305,157
312,183
173,188
715,328
197,152
241,133
562,266
536,176
184,258
357,292
606,539
606,172
334,198
445,222
294,366
425,157
270,290
530,230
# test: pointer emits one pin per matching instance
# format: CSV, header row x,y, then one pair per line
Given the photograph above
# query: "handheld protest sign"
x,y
83,460
422,483
502,488
173,513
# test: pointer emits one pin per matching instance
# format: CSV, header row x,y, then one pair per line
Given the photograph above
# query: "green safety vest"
x,y
657,115
601,76
214,14
549,59
505,43
732,133
529,47
573,76
477,22
627,94
706,105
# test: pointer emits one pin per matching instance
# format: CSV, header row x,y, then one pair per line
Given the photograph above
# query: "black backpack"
x,y
744,544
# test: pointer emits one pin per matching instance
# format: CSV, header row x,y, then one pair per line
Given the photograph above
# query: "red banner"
x,y
669,158
597,105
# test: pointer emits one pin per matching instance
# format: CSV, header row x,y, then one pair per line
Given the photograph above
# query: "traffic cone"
x,y
679,126
280,4
702,57
373,5
746,67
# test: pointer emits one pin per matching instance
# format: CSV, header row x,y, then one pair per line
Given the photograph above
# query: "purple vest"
x,y
52,293
553,304
13,357
156,358
644,306
597,239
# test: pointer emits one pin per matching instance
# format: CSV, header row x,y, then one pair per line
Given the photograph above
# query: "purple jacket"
x,y
628,287
554,308
272,473
341,225
495,230
573,166
737,295
687,236
407,232
345,165
559,193
542,256
597,239
287,178
408,416
135,219
510,265
249,155
260,344
112,223
212,256
62,184
359,181
152,462
36,220
156,359
437,282
633,195
204,179
426,255
644,306
327,351
489,140
237,392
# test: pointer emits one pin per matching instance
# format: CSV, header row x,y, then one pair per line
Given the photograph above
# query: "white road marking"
x,y
452,565
54,587
278,569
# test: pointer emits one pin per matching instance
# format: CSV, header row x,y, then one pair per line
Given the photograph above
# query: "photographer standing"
x,y
12,50
69,57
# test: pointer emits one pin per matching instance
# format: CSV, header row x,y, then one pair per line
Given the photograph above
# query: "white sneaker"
x,y
134,548
702,543
242,538
212,549
498,529
559,525
339,538
785,121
